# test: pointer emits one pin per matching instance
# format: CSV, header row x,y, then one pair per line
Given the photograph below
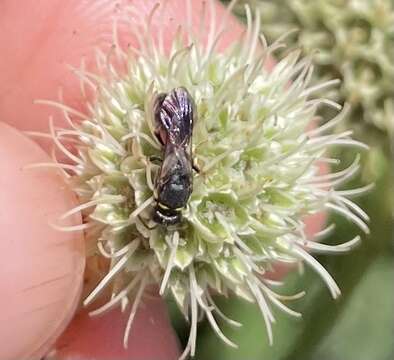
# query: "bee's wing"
x,y
176,160
177,116
160,131
174,183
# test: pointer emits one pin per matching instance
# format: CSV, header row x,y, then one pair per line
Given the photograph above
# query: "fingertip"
x,y
41,268
101,337
43,44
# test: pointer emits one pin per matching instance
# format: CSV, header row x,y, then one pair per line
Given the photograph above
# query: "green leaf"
x,y
368,320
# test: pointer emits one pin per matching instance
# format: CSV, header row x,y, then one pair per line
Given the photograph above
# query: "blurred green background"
x,y
360,324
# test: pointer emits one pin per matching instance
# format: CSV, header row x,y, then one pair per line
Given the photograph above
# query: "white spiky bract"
x,y
259,173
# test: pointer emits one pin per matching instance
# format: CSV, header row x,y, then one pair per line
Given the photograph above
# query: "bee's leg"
x,y
196,168
155,159
145,224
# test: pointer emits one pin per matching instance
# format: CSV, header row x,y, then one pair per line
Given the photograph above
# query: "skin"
x,y
41,270
37,42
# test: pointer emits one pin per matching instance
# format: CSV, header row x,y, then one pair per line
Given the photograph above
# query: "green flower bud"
x,y
352,40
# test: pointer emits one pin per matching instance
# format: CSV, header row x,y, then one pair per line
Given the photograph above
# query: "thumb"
x,y
41,269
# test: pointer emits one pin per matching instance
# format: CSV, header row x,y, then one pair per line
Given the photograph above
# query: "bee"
x,y
174,114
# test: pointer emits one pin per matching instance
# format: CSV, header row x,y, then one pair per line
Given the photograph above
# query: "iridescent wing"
x,y
174,115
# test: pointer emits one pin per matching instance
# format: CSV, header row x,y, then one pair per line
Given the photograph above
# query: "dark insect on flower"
x,y
174,117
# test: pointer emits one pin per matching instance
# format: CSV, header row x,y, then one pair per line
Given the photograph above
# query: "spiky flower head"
x,y
353,40
258,180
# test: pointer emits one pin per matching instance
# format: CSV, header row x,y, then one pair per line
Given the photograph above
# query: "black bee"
x,y
174,117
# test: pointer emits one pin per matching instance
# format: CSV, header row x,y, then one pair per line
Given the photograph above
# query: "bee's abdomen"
x,y
175,193
166,216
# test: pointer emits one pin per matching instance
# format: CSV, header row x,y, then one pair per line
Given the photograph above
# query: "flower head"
x,y
353,39
258,174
